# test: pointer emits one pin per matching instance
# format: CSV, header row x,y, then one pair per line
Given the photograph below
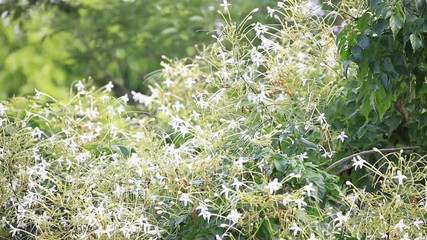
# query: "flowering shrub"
x,y
230,145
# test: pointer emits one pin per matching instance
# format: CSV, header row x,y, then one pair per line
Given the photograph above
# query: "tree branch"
x,y
384,150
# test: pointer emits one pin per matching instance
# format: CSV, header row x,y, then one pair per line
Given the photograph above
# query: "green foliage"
x,y
50,44
230,144
386,42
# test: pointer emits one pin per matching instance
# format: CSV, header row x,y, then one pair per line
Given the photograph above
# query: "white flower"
x,y
98,232
91,219
141,98
2,109
109,86
261,97
341,218
13,230
204,211
118,191
300,202
80,86
234,216
240,162
125,98
273,186
225,4
321,118
312,237
225,191
342,136
177,106
270,11
164,109
327,154
302,156
190,82
401,225
37,133
185,198
156,231
286,199
195,115
295,229
200,102
308,189
257,58
405,237
417,223
168,82
237,183
313,8
359,162
260,29
134,161
400,177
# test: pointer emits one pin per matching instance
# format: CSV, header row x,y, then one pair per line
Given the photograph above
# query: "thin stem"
x,y
384,150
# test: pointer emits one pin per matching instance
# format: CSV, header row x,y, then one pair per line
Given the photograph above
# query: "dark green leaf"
x,y
385,80
310,145
396,23
383,102
402,70
366,107
264,232
363,41
392,123
280,165
388,66
416,41
387,42
356,53
362,130
420,5
379,26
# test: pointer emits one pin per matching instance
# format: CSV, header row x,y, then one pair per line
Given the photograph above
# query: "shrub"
x,y
229,145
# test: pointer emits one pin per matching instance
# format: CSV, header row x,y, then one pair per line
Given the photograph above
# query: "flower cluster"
x,y
228,145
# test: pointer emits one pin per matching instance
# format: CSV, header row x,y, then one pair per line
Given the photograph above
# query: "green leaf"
x,y
168,31
280,164
396,23
310,145
366,106
378,26
363,41
356,53
416,41
388,66
385,80
383,101
342,43
363,21
420,5
264,231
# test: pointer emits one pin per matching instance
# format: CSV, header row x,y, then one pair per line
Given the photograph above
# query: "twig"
x,y
384,150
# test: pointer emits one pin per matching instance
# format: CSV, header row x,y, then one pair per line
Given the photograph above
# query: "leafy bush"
x,y
386,42
49,44
229,145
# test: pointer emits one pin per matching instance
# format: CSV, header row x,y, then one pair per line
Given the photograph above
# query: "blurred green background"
x,y
48,44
